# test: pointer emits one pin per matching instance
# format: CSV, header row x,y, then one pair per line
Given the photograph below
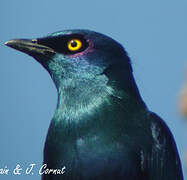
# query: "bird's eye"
x,y
74,44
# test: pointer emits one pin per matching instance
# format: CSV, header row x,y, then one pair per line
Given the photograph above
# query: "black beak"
x,y
30,47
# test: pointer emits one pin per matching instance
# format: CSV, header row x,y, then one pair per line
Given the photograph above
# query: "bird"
x,y
101,128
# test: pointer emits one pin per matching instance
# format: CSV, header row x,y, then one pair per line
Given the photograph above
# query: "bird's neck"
x,y
86,98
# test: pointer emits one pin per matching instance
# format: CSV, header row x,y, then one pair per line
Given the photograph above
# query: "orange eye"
x,y
74,45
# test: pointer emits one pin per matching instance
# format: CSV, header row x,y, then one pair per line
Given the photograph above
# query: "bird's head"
x,y
88,68
74,54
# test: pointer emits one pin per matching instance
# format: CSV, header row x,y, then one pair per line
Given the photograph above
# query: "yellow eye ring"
x,y
74,44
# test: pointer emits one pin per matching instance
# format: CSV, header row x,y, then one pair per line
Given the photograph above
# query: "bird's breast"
x,y
101,157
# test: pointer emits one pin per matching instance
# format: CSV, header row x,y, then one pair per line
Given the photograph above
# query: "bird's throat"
x,y
77,99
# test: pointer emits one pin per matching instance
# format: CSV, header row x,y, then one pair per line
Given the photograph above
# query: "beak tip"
x,y
9,43
6,43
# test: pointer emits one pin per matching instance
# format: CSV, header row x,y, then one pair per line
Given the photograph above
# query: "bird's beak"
x,y
30,47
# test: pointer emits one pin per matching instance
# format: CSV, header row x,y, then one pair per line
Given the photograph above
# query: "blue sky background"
x,y
153,33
